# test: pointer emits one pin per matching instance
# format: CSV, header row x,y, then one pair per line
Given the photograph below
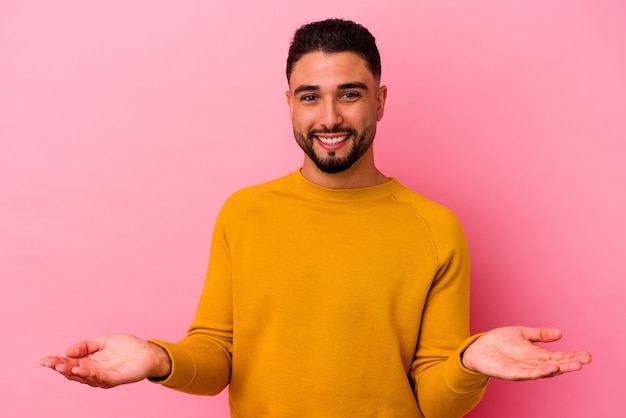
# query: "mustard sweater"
x,y
332,303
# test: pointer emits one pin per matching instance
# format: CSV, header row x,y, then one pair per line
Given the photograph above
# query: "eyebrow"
x,y
352,85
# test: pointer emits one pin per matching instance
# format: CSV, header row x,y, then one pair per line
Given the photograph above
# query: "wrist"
x,y
162,365
468,356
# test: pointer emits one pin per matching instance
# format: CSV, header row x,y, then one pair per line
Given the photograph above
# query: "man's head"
x,y
331,36
334,96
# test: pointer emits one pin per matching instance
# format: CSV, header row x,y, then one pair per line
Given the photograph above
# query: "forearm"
x,y
447,389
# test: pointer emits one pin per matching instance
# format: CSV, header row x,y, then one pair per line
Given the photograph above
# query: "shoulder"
x,y
424,207
258,192
241,201
437,218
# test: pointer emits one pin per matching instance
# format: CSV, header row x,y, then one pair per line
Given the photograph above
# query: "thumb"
x,y
83,348
543,334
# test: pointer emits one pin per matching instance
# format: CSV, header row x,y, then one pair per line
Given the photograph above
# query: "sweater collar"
x,y
380,191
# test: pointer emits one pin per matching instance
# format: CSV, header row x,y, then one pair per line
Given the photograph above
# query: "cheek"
x,y
359,117
303,119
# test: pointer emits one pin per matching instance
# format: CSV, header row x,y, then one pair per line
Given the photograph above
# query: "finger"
x,y
92,377
87,381
570,366
64,368
53,361
547,370
542,334
84,373
48,361
533,373
582,356
556,367
83,348
71,370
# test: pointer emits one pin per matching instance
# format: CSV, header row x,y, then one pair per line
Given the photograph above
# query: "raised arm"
x,y
111,360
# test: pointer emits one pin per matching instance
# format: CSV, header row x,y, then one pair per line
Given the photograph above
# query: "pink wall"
x,y
125,124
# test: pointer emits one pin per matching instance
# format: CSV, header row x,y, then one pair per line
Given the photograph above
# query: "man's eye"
x,y
351,95
308,98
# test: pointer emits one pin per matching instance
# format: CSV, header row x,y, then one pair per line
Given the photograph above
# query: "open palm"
x,y
511,353
108,361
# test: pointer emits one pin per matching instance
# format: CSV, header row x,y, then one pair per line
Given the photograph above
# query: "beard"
x,y
361,142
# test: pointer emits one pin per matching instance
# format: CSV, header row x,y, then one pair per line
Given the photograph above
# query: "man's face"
x,y
335,103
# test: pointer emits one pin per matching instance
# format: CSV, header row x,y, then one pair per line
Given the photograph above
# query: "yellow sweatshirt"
x,y
332,303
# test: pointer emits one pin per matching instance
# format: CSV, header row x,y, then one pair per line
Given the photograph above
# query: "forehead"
x,y
321,68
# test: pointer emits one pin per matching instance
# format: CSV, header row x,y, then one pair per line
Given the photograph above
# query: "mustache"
x,y
335,130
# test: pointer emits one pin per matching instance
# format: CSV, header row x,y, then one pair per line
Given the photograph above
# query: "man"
x,y
333,291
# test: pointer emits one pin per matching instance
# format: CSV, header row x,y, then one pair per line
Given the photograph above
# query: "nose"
x,y
330,116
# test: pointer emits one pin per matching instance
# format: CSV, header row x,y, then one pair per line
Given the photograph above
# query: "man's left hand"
x,y
511,353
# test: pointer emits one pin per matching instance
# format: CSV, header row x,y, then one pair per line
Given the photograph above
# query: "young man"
x,y
334,291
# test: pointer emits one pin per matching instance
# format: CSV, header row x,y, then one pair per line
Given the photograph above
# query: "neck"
x,y
363,173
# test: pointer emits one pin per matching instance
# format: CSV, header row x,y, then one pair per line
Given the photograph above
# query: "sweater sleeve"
x,y
201,362
443,387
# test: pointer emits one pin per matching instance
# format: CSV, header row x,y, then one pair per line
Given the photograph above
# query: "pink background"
x,y
125,124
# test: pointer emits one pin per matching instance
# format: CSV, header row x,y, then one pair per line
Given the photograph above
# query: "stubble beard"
x,y
332,164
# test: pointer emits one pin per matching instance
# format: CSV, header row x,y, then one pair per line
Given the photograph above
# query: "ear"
x,y
381,97
290,102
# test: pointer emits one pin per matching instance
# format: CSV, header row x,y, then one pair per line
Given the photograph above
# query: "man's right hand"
x,y
111,360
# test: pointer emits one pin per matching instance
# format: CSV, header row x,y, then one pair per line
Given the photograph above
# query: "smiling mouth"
x,y
331,140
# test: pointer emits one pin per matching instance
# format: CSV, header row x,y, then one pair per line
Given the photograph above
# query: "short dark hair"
x,y
334,35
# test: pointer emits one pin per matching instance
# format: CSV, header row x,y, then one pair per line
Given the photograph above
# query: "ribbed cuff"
x,y
179,377
460,379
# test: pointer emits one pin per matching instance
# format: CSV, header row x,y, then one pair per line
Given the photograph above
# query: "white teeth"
x,y
332,141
